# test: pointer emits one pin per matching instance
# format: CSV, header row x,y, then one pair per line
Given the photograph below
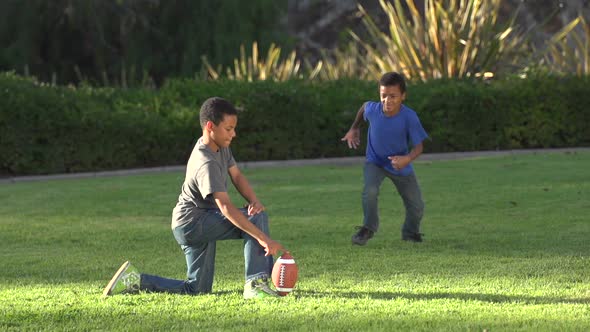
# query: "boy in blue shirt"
x,y
392,127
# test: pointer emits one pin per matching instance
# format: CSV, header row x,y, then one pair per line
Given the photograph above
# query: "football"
x,y
284,274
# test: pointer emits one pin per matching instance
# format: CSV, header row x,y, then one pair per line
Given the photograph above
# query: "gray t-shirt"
x,y
206,173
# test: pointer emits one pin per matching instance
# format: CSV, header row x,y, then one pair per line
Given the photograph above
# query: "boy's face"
x,y
223,133
391,98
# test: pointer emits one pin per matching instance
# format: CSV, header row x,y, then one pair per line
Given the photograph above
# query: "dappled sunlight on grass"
x,y
340,307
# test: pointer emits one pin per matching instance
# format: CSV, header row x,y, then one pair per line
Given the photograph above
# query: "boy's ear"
x,y
209,125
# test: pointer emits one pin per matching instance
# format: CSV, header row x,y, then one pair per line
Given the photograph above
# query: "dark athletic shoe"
x,y
362,236
416,237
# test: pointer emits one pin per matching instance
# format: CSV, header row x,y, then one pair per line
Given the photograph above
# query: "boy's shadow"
x,y
483,297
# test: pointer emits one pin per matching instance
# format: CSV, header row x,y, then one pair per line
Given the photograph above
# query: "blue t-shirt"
x,y
391,136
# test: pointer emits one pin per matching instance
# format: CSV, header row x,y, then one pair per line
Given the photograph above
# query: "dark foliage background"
x,y
141,42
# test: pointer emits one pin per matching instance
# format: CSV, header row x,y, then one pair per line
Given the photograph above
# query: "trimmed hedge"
x,y
539,112
45,129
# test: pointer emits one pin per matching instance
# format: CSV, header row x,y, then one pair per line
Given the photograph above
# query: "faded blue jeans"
x,y
408,189
198,241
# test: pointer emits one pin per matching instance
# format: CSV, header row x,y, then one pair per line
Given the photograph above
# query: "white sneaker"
x,y
126,280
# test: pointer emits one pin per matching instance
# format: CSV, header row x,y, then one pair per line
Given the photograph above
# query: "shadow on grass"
x,y
482,297
491,298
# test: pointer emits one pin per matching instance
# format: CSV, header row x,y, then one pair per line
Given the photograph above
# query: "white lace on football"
x,y
282,275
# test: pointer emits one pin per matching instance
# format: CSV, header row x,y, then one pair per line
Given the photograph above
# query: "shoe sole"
x,y
261,296
109,288
359,243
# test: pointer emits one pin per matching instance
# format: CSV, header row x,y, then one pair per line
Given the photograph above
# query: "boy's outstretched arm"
x,y
353,136
236,217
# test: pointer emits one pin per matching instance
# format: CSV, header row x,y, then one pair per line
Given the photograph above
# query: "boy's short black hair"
x,y
214,109
393,78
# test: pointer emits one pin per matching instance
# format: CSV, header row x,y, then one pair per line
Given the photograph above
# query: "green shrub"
x,y
547,111
539,112
458,115
47,129
290,120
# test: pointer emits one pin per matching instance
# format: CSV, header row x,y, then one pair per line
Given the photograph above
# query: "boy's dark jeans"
x,y
198,241
407,187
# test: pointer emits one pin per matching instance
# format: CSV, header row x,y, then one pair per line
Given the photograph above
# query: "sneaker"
x,y
362,236
258,288
126,280
415,237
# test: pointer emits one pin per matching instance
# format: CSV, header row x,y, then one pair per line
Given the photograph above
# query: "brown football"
x,y
284,274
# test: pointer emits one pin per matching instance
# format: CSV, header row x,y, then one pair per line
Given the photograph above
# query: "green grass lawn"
x,y
507,247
